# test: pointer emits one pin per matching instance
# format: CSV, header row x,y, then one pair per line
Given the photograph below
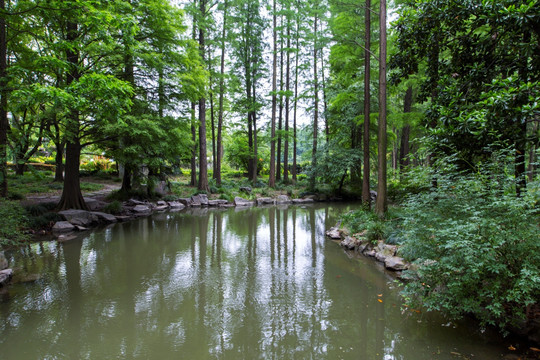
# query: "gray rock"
x,y
372,195
161,208
196,200
395,263
80,228
185,201
94,204
370,252
134,202
63,226
79,217
333,233
161,188
176,205
3,261
266,201
218,202
123,218
204,199
65,237
5,276
161,203
238,201
303,201
283,199
246,189
349,243
104,217
142,209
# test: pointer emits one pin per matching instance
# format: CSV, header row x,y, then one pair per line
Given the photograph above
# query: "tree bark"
x,y
4,124
280,121
217,175
367,107
287,105
313,177
193,180
404,149
381,203
59,162
272,177
254,119
203,163
294,167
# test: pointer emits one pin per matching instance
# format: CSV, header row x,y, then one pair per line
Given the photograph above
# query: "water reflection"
x,y
241,283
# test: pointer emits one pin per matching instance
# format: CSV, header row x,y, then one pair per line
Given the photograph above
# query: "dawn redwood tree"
x,y
381,202
272,176
367,106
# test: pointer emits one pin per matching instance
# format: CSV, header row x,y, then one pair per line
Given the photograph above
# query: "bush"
x,y
114,207
477,246
12,223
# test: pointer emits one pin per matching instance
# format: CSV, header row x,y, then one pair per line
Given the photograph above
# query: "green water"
x,y
259,283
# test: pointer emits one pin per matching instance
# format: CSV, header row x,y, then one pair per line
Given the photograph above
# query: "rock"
x,y
217,202
142,209
238,201
123,218
5,276
94,204
334,233
372,195
384,251
161,208
303,201
204,199
185,201
246,189
349,243
65,237
104,217
370,252
196,200
133,202
161,188
283,199
395,263
176,205
63,226
312,197
79,217
80,228
265,201
3,261
161,203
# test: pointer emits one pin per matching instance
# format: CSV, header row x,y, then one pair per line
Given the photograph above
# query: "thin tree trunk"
x,y
213,125
532,154
4,124
381,203
280,121
405,134
217,175
59,161
193,181
366,199
254,119
323,84
272,177
316,107
294,168
203,163
287,105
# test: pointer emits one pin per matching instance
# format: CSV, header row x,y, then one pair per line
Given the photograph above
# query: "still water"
x,y
260,283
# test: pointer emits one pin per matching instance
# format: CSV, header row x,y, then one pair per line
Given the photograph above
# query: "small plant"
x,y
114,207
13,220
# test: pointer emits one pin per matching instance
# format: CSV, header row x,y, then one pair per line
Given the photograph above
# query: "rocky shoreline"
x,y
380,251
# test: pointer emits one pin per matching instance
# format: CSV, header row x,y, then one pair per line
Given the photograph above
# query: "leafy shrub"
x,y
170,198
12,223
44,221
477,247
114,207
376,230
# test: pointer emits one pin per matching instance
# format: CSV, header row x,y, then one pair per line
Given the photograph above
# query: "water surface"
x,y
260,283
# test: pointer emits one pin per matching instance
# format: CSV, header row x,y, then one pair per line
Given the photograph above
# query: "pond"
x,y
261,283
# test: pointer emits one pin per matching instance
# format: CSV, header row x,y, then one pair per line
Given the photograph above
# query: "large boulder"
x,y
3,261
5,276
185,201
105,218
303,201
334,233
176,205
204,199
238,201
93,204
63,226
196,200
142,209
395,263
219,202
283,199
265,201
79,217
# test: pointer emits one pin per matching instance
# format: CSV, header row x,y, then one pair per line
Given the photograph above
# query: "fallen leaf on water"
x,y
511,348
535,349
379,300
455,353
338,276
379,295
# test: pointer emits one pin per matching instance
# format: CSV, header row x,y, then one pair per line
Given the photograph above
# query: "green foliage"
x,y
476,246
13,221
114,207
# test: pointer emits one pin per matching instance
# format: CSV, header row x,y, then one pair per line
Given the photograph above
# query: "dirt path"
x,y
55,196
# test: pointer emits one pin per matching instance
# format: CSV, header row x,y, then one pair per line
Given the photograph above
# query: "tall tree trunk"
x,y
4,124
59,161
203,163
221,95
381,204
521,143
294,167
280,121
367,107
323,84
316,107
405,134
213,129
532,154
287,104
193,180
254,119
272,177
71,194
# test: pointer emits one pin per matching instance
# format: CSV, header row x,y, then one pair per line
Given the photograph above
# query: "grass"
x,y
42,182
